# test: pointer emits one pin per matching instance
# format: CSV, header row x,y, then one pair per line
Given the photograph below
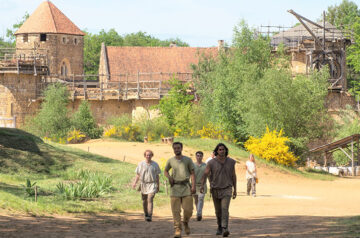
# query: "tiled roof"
x,y
131,60
47,18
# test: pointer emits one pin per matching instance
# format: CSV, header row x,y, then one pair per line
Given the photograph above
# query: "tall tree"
x,y
343,15
10,33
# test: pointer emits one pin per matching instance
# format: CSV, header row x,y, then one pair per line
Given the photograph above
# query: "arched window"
x,y
64,70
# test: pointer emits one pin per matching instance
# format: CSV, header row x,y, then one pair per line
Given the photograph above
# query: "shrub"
x,y
84,121
272,147
91,185
75,136
154,129
213,132
52,121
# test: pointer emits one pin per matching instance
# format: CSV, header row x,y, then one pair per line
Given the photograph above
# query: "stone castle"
x,y
50,48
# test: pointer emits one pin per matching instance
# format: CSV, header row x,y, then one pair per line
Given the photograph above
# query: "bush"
x,y
154,129
84,121
52,121
75,136
272,147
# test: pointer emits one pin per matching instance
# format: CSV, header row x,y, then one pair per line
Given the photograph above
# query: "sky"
x,y
200,23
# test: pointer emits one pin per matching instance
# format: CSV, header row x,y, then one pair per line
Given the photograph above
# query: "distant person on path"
x,y
251,176
199,173
181,191
148,173
222,180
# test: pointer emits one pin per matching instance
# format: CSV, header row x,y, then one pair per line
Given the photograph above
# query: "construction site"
x,y
132,79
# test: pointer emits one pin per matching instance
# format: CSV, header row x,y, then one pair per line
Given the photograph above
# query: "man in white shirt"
x,y
251,175
148,172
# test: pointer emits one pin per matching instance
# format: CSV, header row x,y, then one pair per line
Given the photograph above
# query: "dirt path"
x,y
286,206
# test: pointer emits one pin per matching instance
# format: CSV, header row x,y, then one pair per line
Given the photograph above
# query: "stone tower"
x,y
48,32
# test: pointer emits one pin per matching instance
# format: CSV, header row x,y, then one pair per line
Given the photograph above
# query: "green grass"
x,y
351,224
24,156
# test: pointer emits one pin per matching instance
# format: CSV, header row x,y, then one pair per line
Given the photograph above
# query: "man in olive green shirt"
x,y
199,196
181,189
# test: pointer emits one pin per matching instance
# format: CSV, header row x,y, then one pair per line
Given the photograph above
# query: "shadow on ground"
x,y
133,225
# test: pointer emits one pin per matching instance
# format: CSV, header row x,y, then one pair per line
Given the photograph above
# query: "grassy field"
x,y
24,156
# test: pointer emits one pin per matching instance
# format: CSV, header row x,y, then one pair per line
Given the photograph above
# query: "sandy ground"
x,y
285,206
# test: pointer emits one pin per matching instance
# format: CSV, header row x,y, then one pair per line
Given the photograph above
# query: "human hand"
x,y
171,181
134,185
234,194
202,189
193,190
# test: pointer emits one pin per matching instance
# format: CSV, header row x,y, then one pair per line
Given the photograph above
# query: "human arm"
x,y
193,180
203,179
234,183
136,180
167,175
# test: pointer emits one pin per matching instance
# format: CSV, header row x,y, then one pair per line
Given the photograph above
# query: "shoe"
x,y
254,195
198,218
177,233
219,231
248,194
186,228
226,232
148,219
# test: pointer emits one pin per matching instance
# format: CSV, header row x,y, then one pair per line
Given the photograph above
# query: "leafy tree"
x,y
176,107
52,121
10,33
84,121
343,15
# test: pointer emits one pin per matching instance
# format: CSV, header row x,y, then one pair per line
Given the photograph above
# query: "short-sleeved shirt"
x,y
148,174
199,172
181,171
250,168
221,174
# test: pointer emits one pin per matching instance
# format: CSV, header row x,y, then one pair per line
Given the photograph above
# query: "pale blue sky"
x,y
197,22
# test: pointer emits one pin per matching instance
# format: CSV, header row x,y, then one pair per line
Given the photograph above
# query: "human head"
x,y
148,154
199,156
252,158
177,147
219,146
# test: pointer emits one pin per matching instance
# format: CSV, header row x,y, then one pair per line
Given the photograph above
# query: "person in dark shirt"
x,y
222,181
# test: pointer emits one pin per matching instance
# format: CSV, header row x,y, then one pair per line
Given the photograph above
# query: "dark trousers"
x,y
221,205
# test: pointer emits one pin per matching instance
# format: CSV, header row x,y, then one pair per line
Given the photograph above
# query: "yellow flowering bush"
x,y
127,132
272,147
213,132
75,136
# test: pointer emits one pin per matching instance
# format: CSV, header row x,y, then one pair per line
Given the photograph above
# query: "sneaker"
x,y
186,228
177,233
219,231
198,218
226,232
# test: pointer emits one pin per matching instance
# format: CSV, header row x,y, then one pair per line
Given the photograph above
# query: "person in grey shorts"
x,y
199,169
222,181
148,173
251,176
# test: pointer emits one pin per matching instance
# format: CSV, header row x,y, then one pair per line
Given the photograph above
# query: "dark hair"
x,y
199,152
217,148
152,153
177,143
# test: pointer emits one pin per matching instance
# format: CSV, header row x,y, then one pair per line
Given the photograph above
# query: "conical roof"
x,y
47,18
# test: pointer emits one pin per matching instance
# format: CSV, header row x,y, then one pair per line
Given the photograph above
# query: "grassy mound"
x,y
26,157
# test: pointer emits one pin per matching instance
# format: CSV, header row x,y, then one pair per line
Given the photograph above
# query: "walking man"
x,y
181,191
199,173
148,173
222,180
251,176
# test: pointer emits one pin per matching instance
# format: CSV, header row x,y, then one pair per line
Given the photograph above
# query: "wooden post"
x,y
126,90
85,88
160,89
101,90
138,85
352,158
35,193
325,159
119,91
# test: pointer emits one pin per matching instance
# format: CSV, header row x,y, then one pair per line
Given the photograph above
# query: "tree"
x,y
52,121
10,33
84,121
343,15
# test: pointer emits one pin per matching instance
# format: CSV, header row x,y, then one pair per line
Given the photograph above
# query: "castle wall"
x,y
298,62
18,96
59,48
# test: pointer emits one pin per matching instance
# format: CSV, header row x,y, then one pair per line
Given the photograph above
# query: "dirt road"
x,y
285,206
